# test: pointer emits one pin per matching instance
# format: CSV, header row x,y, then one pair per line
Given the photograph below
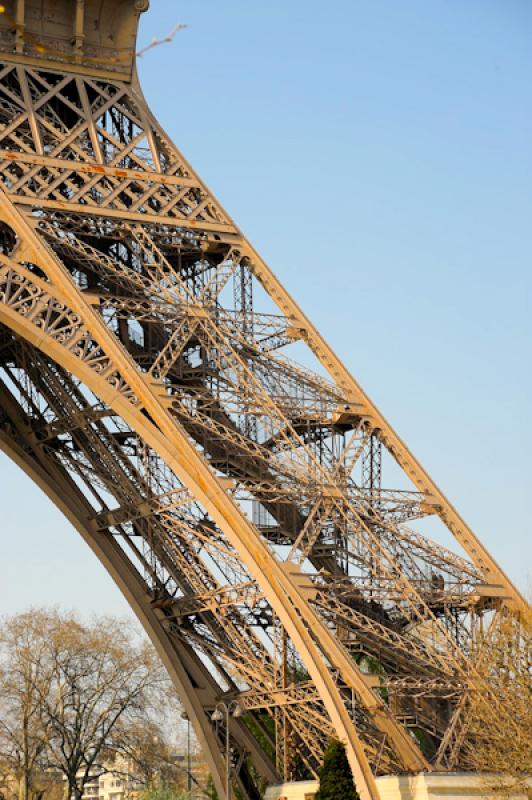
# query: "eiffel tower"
x,y
162,387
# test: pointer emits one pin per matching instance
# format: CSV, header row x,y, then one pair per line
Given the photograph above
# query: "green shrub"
x,y
162,792
211,792
336,778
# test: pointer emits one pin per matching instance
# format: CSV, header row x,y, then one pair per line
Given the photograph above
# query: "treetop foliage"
x,y
336,778
74,695
500,730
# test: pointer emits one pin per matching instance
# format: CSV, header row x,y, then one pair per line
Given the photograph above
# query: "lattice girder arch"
x,y
114,380
307,588
196,687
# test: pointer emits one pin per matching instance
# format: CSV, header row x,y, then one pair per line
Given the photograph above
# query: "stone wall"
x,y
427,786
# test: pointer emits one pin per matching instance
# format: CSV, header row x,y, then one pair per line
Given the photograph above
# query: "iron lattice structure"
x,y
158,382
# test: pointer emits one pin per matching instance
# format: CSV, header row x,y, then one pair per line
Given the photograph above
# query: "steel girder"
x,y
242,499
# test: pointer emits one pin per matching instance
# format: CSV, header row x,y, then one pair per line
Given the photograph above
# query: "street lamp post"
x,y
221,712
185,717
189,766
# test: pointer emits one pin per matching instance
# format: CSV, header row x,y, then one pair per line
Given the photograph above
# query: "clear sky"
x,y
379,154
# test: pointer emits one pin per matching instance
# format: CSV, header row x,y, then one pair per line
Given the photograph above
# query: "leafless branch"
x,y
165,40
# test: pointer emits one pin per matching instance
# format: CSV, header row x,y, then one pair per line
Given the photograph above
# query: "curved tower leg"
x,y
194,684
151,353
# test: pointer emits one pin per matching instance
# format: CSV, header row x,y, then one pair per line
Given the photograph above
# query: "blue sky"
x,y
379,155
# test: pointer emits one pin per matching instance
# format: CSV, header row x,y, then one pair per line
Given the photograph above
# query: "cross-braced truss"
x,y
263,519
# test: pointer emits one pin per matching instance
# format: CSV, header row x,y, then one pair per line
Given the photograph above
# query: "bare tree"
x,y
168,39
98,680
6,780
151,756
24,679
501,742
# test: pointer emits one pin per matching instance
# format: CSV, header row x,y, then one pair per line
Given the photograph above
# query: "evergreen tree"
x,y
336,778
211,792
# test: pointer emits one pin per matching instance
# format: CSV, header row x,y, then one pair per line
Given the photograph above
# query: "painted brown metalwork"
x,y
159,383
